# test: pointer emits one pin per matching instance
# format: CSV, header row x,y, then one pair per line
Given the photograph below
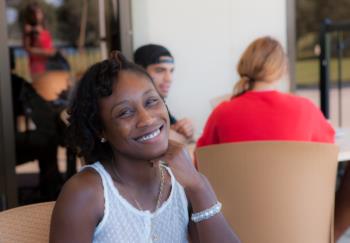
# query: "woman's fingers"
x,y
180,161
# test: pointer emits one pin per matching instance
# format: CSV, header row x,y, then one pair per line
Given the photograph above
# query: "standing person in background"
x,y
39,144
257,111
37,40
159,64
42,98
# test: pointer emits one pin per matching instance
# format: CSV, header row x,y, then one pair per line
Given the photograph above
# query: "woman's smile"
x,y
150,137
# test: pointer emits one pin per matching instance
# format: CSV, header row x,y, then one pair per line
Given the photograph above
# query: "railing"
x,y
328,28
79,61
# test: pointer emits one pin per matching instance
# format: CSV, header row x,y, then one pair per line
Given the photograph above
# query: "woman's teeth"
x,y
149,136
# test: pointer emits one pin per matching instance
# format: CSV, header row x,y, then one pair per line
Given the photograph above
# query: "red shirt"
x,y
37,64
266,115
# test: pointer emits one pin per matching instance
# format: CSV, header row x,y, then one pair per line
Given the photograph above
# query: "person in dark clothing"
x,y
159,64
41,143
17,84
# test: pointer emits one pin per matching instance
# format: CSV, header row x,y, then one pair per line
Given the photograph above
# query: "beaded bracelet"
x,y
207,213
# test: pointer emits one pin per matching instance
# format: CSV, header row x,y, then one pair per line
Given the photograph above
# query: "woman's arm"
x,y
214,229
178,137
78,209
200,195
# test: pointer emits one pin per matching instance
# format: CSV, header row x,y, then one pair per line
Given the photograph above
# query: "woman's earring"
x,y
103,140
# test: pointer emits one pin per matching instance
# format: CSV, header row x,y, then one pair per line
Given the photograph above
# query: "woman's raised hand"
x,y
179,160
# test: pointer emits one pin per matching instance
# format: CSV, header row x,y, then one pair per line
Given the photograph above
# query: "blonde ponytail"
x,y
263,61
243,85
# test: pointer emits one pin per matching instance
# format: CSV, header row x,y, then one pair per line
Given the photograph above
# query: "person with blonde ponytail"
x,y
258,111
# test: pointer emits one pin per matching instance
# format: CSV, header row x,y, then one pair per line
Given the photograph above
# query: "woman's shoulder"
x,y
88,177
84,189
298,100
224,105
79,208
232,105
87,181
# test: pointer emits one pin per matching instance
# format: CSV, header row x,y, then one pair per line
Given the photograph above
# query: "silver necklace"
x,y
161,188
153,235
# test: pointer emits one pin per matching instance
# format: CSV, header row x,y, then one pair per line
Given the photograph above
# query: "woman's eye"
x,y
152,101
125,113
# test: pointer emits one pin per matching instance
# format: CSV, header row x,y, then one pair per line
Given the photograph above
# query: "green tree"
x,y
69,19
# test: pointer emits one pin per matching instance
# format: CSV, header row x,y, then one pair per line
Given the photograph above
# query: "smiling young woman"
x,y
119,124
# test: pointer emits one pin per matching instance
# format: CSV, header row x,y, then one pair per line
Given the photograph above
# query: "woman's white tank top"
x,y
123,223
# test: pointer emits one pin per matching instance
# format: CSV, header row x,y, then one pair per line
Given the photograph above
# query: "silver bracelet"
x,y
207,213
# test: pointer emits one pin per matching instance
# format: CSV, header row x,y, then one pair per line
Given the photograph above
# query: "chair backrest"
x,y
26,224
274,192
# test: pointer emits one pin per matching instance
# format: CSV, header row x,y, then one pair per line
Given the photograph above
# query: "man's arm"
x,y
185,128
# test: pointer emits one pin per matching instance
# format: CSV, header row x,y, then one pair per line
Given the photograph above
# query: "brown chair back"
x,y
274,192
26,224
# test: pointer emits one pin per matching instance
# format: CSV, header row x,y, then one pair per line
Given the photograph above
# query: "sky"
x,y
54,2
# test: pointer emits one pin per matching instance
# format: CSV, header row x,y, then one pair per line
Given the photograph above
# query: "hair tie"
x,y
245,78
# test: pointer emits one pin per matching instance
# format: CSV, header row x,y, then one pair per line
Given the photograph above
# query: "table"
x,y
342,139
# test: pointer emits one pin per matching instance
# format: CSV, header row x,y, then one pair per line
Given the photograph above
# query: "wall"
x,y
206,38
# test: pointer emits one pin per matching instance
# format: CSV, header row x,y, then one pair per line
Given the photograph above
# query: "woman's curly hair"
x,y
85,125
